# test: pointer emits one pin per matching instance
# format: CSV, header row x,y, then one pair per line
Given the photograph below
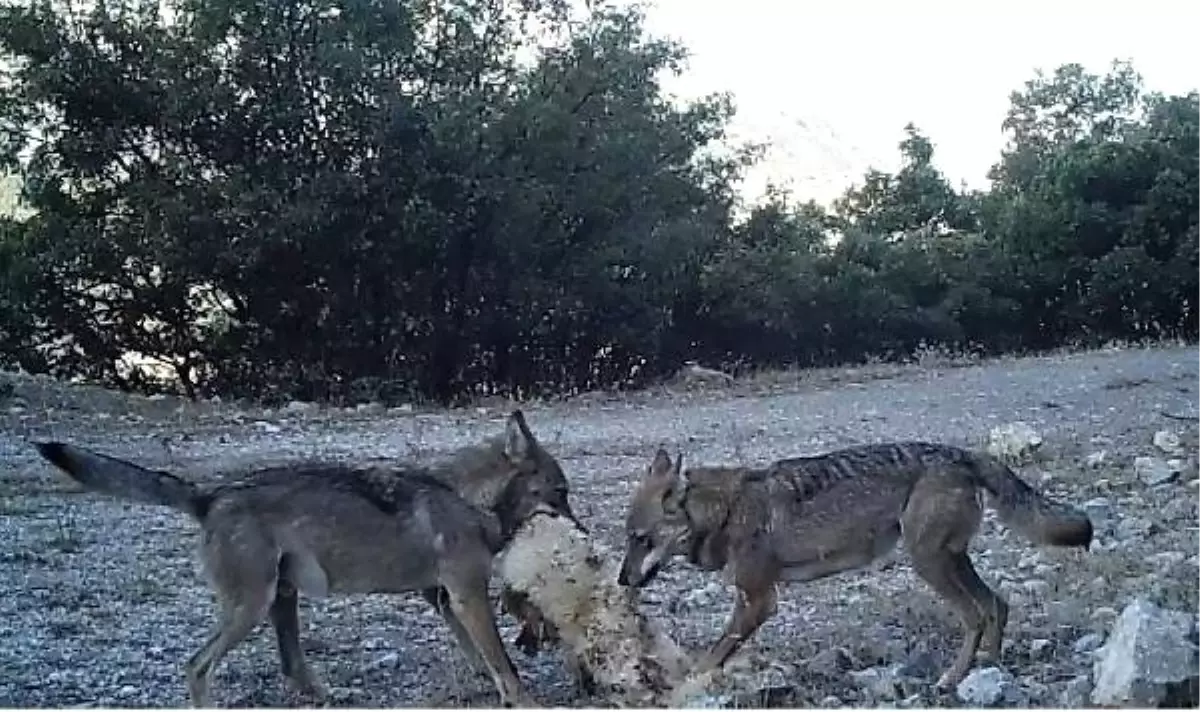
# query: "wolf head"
x,y
656,525
534,479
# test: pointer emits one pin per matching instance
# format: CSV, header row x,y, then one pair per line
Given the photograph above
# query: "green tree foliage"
x,y
918,197
407,198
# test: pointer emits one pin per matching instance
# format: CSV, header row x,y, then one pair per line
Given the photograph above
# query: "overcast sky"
x,y
867,67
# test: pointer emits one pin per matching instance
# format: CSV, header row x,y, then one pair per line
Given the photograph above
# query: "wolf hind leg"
x,y
937,525
243,566
238,620
993,605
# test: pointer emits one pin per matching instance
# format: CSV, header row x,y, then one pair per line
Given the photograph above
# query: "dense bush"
x,y
383,199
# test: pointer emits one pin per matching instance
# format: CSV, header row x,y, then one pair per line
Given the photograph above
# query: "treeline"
x,y
391,199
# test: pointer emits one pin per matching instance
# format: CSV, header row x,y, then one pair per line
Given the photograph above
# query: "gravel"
x,y
104,602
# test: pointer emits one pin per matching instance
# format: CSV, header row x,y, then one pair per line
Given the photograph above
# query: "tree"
x,y
917,198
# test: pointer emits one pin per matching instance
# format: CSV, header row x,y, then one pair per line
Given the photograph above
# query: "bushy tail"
x,y
1026,510
125,480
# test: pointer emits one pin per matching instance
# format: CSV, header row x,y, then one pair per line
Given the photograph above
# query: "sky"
x,y
865,68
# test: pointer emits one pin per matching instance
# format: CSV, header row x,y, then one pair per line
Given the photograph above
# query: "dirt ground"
x,y
103,603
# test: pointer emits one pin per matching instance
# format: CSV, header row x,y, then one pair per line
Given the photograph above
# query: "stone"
x,y
1100,511
1089,643
1151,658
298,406
1167,441
693,374
1040,647
1134,528
880,683
1075,693
986,687
1013,442
1155,471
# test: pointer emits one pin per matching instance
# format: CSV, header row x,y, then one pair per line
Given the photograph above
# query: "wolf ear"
x,y
674,495
518,440
661,467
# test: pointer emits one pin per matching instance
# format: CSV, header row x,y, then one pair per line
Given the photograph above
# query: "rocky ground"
x,y
102,602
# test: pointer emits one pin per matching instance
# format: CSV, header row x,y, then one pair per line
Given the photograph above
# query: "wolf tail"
x,y
1026,510
124,480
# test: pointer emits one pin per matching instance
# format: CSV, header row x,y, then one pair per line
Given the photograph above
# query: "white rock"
x,y
298,406
1149,651
1099,510
1013,442
1036,587
1089,643
1040,647
1104,614
1155,470
1096,459
1167,441
693,374
1075,692
1028,561
880,683
985,687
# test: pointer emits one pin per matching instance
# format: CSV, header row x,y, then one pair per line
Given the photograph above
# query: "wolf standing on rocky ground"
x,y
806,518
320,528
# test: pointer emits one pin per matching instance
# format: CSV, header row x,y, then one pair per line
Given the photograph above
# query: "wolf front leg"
x,y
285,619
752,609
467,595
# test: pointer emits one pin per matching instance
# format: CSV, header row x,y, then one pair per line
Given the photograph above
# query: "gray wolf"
x,y
512,476
317,528
806,518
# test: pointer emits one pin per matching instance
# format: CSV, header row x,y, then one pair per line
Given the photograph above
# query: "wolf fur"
x,y
806,518
325,528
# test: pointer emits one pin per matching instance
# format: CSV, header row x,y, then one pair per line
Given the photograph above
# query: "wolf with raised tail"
x,y
802,519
